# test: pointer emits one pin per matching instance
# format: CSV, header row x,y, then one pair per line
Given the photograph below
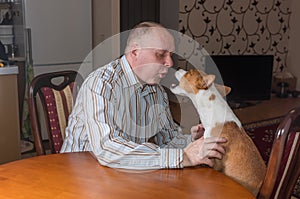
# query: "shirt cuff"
x,y
171,158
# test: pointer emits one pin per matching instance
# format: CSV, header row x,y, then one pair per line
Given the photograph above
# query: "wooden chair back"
x,y
56,92
283,168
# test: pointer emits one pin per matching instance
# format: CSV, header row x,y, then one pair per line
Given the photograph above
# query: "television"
x,y
249,76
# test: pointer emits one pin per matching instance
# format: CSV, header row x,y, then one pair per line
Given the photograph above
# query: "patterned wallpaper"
x,y
237,27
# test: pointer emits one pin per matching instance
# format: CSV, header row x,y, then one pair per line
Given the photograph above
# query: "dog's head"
x,y
193,81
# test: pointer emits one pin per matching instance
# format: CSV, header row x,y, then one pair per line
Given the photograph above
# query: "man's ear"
x,y
209,79
134,50
223,90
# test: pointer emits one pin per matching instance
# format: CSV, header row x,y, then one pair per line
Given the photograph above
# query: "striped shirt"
x,y
124,123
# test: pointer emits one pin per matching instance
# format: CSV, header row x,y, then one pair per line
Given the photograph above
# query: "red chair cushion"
x,y
59,105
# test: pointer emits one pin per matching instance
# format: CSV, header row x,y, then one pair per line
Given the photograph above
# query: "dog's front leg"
x,y
207,132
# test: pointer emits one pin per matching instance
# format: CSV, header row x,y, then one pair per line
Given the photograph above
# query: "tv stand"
x,y
267,109
241,104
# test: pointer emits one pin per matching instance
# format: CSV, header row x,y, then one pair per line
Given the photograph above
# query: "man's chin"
x,y
153,82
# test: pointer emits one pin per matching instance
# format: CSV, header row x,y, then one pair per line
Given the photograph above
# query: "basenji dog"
x,y
242,161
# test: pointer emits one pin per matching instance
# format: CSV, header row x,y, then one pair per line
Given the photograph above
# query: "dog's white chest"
x,y
213,110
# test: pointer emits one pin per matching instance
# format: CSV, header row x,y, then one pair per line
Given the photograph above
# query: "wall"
x,y
62,40
239,27
294,42
105,23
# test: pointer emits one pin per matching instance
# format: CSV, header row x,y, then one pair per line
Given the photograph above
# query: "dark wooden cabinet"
x,y
133,12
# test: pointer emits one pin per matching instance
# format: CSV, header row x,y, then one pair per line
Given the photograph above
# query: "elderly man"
x,y
122,113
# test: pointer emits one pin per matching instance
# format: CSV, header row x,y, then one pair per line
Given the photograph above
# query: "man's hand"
x,y
197,132
201,151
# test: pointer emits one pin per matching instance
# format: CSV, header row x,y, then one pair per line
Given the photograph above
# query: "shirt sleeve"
x,y
108,142
171,135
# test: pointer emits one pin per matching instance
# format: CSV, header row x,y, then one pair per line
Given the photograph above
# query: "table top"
x,y
79,175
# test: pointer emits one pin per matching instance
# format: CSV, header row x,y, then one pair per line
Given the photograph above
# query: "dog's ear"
x,y
209,80
223,90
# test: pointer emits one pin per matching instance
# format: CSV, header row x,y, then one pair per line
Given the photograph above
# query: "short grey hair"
x,y
139,32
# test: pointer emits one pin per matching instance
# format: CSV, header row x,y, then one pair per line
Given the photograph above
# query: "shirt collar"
x,y
130,77
132,80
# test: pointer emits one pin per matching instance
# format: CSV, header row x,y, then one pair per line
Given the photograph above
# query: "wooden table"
x,y
79,175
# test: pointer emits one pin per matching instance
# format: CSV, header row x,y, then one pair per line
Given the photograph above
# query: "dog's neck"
x,y
212,109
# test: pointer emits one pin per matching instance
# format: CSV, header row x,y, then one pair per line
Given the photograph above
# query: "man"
x,y
122,114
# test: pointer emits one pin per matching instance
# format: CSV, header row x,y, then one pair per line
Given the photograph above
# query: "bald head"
x,y
149,35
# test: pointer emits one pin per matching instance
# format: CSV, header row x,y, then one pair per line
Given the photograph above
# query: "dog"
x,y
242,161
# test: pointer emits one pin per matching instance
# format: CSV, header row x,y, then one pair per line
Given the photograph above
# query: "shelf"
x,y
17,59
11,70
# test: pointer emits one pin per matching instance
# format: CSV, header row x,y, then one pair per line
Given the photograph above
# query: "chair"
x,y
283,168
56,92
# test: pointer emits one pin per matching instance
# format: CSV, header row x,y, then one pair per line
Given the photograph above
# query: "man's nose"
x,y
169,61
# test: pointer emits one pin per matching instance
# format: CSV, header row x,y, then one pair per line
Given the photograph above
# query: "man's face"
x,y
153,58
153,65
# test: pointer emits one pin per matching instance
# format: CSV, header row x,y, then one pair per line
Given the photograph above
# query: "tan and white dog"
x,y
242,160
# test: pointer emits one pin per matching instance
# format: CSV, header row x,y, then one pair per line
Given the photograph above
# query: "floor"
x,y
26,147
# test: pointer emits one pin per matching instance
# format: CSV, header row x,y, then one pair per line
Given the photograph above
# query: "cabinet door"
x,y
61,30
9,119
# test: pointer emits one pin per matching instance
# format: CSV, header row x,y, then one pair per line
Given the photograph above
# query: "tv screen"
x,y
249,76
